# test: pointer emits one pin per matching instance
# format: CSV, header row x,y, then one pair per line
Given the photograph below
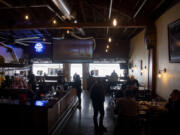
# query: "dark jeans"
x,y
98,108
79,97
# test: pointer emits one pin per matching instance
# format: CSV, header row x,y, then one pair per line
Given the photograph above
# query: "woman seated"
x,y
132,83
173,108
127,110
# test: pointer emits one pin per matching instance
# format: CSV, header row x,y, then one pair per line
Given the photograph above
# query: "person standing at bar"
x,y
77,80
98,97
2,78
32,81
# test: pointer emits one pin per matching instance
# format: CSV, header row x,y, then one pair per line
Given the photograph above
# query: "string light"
x,y
114,22
106,50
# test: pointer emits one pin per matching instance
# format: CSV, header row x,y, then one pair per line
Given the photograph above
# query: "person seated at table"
x,y
127,110
173,108
173,105
2,78
132,83
114,76
112,81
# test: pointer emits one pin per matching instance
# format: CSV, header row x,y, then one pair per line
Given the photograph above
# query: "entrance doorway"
x,y
76,68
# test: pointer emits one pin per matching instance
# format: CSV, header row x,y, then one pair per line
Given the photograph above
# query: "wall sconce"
x,y
132,69
141,67
135,67
141,71
161,71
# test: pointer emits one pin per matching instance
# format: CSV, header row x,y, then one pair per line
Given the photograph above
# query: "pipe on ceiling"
x,y
11,51
63,8
66,12
110,10
139,9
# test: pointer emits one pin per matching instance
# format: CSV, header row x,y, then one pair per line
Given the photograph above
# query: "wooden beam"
x,y
164,6
69,26
82,10
94,14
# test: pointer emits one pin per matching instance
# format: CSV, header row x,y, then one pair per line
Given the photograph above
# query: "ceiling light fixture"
x,y
106,50
44,39
67,31
107,46
54,21
109,40
75,21
26,17
114,22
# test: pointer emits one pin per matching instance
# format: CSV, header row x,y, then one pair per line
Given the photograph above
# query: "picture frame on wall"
x,y
174,41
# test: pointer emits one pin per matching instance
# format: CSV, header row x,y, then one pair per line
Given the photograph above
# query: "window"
x,y
76,68
48,69
103,70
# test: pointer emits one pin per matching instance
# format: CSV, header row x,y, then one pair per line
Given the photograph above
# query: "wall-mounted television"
x,y
73,50
40,51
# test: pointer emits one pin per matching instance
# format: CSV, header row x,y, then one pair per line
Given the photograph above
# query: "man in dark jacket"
x,y
77,81
98,97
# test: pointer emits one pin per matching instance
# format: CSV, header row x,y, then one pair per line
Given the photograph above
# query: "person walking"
x,y
98,97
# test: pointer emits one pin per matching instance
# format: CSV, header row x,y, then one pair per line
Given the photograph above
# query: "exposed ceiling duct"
x,y
66,13
63,8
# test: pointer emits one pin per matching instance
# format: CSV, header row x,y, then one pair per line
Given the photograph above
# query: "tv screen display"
x,y
41,51
73,50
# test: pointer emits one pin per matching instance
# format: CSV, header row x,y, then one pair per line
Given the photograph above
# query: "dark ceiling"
x,y
93,18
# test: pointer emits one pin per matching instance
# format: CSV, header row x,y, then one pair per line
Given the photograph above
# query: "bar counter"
x,y
36,118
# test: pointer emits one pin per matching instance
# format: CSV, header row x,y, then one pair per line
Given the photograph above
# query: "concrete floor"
x,y
81,122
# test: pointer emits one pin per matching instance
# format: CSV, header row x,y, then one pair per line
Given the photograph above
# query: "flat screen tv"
x,y
73,50
40,51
